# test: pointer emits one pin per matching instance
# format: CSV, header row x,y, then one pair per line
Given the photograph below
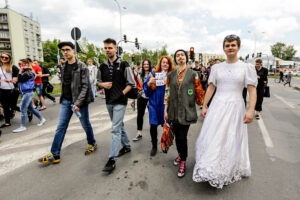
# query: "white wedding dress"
x,y
222,155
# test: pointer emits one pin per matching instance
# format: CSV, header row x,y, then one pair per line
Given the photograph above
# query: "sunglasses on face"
x,y
4,58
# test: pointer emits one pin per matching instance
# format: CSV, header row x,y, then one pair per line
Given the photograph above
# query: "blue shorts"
x,y
38,89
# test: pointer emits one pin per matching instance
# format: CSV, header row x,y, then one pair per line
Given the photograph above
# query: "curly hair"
x,y
171,66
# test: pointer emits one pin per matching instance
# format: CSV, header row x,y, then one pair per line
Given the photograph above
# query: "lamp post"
x,y
255,38
120,11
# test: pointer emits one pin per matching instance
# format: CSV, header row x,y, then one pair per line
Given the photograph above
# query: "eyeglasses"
x,y
65,50
4,58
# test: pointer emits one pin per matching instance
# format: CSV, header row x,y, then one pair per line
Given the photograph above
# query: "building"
x,y
204,58
20,36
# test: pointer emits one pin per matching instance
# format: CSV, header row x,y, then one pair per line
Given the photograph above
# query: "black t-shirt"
x,y
45,70
67,79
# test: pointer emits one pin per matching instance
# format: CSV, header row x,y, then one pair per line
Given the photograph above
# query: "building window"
x,y
27,41
33,50
4,35
31,26
27,49
3,17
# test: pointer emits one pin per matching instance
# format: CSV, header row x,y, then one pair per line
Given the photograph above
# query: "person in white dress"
x,y
222,155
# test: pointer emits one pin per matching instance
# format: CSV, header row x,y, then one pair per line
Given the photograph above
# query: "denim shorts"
x,y
38,89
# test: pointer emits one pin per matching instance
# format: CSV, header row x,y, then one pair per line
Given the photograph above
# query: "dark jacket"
x,y
263,73
122,76
182,105
80,85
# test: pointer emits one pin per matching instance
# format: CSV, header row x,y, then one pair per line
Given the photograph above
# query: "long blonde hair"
x,y
10,63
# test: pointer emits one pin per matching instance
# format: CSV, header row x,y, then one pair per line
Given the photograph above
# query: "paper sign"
x,y
161,78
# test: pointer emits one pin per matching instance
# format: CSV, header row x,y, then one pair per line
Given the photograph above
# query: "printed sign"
x,y
161,78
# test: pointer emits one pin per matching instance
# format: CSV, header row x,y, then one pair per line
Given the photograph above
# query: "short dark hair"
x,y
28,59
36,60
110,41
258,60
231,38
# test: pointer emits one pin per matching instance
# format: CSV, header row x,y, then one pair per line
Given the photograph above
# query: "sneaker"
x,y
257,116
181,171
137,137
20,129
177,160
153,151
90,149
50,158
110,165
42,108
125,149
42,121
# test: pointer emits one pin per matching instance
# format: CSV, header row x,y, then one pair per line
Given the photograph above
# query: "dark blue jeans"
x,y
65,115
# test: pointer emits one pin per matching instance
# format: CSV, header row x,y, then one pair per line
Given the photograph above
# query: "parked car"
x,y
297,73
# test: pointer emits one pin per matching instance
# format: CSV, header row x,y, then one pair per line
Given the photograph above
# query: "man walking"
x,y
38,84
116,77
75,96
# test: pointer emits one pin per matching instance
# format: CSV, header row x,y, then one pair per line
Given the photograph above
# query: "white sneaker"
x,y
20,129
42,121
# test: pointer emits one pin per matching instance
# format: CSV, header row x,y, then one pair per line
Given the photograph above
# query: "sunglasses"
x,y
4,58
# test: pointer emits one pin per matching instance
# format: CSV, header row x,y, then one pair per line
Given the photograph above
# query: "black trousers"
x,y
44,92
180,132
141,107
7,99
153,133
260,98
245,96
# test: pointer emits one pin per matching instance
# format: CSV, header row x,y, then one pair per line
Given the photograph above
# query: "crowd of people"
x,y
170,90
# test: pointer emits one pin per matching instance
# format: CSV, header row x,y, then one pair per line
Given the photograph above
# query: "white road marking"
x,y
284,101
13,159
265,133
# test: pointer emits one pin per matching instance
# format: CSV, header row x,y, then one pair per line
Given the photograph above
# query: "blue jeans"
x,y
65,115
94,90
119,135
26,104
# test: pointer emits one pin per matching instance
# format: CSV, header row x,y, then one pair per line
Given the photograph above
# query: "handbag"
x,y
167,137
49,88
267,91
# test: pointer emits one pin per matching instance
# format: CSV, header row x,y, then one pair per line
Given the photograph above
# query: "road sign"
x,y
75,33
58,56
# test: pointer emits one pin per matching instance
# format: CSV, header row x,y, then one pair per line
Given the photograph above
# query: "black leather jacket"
x,y
80,85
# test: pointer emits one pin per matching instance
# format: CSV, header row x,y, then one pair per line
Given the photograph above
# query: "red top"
x,y
37,69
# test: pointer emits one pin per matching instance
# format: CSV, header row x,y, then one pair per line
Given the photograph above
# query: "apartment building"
x,y
204,58
20,36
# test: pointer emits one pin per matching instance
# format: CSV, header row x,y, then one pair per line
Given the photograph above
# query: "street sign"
x,y
75,33
58,56
120,51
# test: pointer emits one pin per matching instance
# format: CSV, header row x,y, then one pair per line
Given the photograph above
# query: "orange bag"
x,y
167,137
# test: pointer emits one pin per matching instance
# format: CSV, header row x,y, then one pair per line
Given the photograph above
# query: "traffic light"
x,y
247,56
200,58
192,54
253,55
125,38
132,58
259,55
137,43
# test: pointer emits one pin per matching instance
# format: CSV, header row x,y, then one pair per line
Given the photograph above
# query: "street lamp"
x,y
255,38
119,7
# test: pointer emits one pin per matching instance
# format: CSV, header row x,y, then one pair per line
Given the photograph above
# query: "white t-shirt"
x,y
8,76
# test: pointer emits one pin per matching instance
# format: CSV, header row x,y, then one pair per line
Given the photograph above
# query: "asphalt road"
x,y
274,144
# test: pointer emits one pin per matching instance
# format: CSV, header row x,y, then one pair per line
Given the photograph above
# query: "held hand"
x,y
248,117
258,77
204,111
76,108
151,81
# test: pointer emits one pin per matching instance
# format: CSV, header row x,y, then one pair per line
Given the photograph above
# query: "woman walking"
x,y
142,100
8,92
26,78
183,90
154,88
222,155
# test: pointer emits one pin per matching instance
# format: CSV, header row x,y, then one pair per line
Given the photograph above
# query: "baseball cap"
x,y
66,43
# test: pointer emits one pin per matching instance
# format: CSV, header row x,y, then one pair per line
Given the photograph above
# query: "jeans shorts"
x,y
38,89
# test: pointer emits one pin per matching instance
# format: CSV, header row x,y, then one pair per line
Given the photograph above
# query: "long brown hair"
x,y
171,66
10,63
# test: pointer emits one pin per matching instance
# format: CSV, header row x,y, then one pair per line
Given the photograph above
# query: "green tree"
x,y
50,51
282,51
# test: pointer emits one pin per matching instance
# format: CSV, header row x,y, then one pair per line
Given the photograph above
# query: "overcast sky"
x,y
177,23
